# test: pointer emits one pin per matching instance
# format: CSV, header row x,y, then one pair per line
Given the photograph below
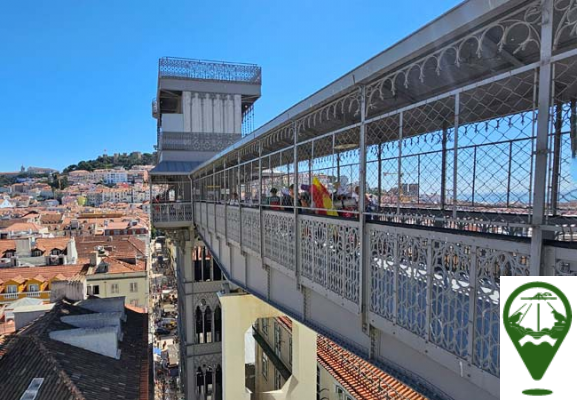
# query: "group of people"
x,y
344,202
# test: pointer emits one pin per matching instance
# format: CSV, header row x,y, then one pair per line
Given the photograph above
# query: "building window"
x,y
34,287
277,380
114,288
55,252
9,254
133,287
264,366
12,289
36,253
341,394
277,338
264,326
94,290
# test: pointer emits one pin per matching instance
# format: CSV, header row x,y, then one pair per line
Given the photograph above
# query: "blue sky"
x,y
77,77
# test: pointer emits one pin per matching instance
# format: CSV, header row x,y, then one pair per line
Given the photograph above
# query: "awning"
x,y
174,168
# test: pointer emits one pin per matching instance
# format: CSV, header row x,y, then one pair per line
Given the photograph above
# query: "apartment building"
x,y
111,176
34,282
32,251
111,277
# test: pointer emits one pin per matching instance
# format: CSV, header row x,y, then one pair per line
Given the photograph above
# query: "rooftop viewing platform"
x,y
207,70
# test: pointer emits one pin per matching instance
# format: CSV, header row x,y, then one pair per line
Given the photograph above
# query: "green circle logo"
x,y
537,317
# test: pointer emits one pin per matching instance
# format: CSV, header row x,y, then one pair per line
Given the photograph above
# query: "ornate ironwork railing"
x,y
171,212
441,287
279,243
220,217
233,223
182,68
195,141
330,255
251,229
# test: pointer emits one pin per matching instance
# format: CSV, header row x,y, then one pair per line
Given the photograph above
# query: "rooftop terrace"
x,y
207,70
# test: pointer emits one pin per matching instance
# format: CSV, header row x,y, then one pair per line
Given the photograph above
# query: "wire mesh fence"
x,y
562,173
464,160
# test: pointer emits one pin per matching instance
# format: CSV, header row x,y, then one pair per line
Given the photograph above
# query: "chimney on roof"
x,y
23,247
72,254
94,258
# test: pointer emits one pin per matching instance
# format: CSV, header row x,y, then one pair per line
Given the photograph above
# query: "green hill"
x,y
118,160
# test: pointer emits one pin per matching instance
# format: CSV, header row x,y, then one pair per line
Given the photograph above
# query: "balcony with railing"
x,y
195,141
171,215
171,206
206,70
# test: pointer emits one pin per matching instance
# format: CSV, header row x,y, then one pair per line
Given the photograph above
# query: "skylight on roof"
x,y
33,388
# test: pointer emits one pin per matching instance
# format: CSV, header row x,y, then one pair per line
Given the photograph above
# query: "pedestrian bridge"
x,y
460,139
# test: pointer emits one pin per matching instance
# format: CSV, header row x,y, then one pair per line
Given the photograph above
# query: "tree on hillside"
x,y
120,160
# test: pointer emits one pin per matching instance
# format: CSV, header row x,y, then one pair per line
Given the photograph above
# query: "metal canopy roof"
x,y
174,167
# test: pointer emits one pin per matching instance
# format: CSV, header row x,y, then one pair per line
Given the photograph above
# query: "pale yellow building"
x,y
110,277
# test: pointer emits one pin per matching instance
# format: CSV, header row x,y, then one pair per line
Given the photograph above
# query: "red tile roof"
x,y
7,244
24,226
59,243
48,272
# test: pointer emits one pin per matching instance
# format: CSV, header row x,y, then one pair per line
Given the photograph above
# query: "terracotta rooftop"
x,y
24,226
7,244
116,266
59,243
71,372
48,272
119,246
51,218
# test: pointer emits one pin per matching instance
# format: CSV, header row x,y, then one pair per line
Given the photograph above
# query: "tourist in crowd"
x,y
288,199
234,199
273,200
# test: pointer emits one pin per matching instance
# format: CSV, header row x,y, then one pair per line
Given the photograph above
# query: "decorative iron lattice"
x,y
383,247
181,68
197,214
565,22
451,289
482,45
251,229
220,216
279,238
330,255
562,176
408,267
190,141
233,223
412,284
210,220
171,212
